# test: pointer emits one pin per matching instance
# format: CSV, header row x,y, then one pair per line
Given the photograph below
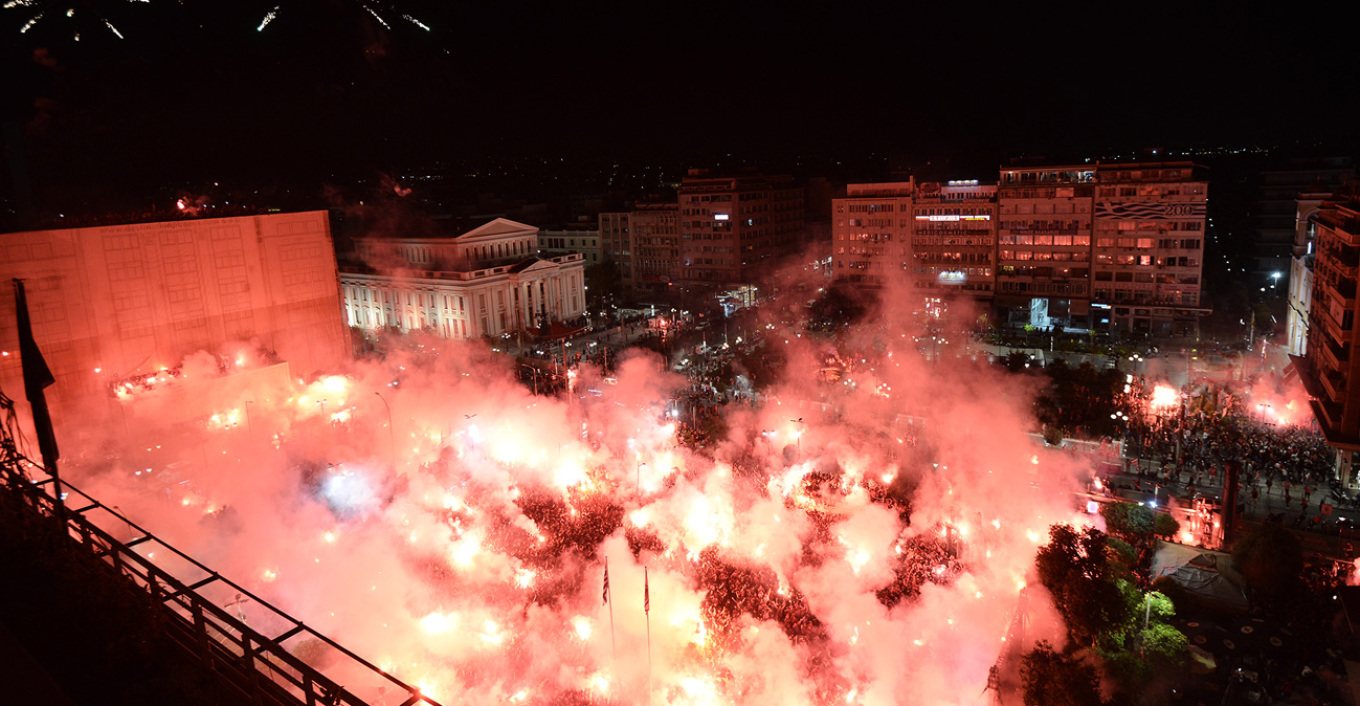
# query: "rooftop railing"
x,y
204,612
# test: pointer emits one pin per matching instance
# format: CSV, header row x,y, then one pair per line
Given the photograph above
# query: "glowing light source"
x,y
1163,397
438,623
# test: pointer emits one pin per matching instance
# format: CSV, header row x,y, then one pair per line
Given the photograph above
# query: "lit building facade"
x,y
732,226
655,244
953,239
616,244
871,232
486,282
939,237
1331,367
574,238
114,302
1149,247
1044,244
1301,272
1112,247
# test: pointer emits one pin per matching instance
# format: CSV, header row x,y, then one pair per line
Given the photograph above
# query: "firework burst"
x,y
78,16
381,12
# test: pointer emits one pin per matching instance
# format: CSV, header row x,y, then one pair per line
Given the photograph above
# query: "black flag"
x,y
646,593
605,592
37,377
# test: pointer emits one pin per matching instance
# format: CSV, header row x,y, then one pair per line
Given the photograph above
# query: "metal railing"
x,y
258,667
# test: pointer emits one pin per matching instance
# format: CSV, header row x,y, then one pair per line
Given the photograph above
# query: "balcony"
x,y
1333,356
1328,414
1344,236
1346,269
1334,384
1341,292
1323,321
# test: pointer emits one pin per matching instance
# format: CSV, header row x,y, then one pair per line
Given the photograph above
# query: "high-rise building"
x,y
1150,221
1331,367
583,238
616,244
732,227
655,230
1044,244
871,232
1273,213
953,239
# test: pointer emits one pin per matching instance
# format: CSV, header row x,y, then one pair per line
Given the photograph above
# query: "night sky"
x,y
194,92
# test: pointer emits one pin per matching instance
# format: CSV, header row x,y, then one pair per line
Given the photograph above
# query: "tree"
x,y
1164,641
1075,568
1053,679
1165,526
1054,435
1145,645
1123,557
1016,361
1129,521
1271,560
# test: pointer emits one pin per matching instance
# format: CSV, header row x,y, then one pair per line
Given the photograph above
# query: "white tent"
x,y
1207,574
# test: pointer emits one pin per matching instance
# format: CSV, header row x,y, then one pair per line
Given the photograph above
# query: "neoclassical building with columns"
x,y
486,282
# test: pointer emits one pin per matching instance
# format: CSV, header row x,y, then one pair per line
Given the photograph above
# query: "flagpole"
x,y
647,609
37,377
609,598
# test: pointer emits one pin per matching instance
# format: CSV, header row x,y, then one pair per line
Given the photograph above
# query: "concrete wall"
x,y
130,299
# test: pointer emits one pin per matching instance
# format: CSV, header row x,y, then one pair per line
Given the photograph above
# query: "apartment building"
x,y
733,227
655,230
1331,368
616,244
952,241
871,232
1106,246
1148,260
1044,244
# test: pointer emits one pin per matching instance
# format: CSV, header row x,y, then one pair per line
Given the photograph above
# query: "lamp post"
x,y
1340,527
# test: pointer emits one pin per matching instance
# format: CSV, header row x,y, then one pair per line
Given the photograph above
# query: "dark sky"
x,y
195,91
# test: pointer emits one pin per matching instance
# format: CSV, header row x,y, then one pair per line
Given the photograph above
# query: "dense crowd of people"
x,y
1191,451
